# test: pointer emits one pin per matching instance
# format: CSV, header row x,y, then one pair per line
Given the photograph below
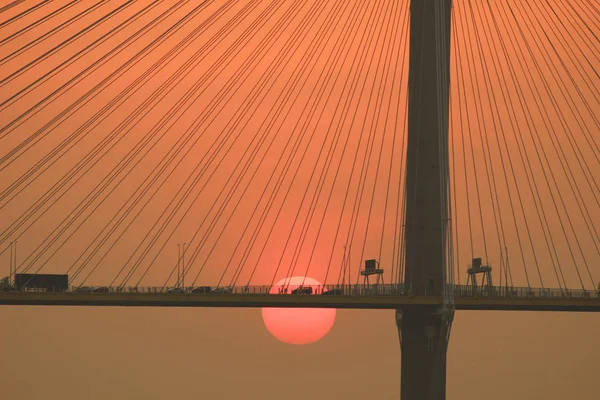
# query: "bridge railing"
x,y
349,290
386,290
522,292
346,290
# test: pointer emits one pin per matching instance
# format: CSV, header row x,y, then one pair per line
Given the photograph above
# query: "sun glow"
x,y
298,325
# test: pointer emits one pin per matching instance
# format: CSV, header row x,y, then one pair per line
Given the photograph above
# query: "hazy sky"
x,y
525,117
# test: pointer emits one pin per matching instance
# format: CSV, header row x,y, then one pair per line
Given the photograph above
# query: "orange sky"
x,y
559,86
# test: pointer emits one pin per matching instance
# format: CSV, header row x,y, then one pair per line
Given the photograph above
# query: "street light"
x,y
183,267
178,263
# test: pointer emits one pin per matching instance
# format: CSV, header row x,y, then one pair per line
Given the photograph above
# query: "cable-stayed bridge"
x,y
149,149
353,297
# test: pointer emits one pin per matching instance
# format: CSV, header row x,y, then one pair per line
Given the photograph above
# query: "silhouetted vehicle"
x,y
102,289
222,290
202,289
302,290
42,282
333,292
84,289
5,285
176,290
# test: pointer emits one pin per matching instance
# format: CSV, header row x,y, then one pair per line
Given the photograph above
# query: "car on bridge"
x,y
333,292
303,290
202,289
222,290
101,289
176,290
84,289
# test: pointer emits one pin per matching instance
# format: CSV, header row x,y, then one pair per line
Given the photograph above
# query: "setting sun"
x,y
298,325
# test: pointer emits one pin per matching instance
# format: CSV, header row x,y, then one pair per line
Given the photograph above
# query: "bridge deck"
x,y
591,304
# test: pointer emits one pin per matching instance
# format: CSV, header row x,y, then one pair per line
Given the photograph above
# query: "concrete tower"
x,y
424,331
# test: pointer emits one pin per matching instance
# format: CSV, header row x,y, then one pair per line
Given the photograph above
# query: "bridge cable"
x,y
236,78
550,130
47,17
590,10
24,13
286,93
75,80
523,156
131,86
292,154
589,137
249,101
587,55
525,107
188,192
454,216
381,14
281,206
402,50
51,32
374,125
532,182
301,66
163,35
313,204
492,100
576,191
235,185
110,177
5,160
10,5
165,161
4,81
476,93
61,67
311,51
470,67
365,48
176,149
131,89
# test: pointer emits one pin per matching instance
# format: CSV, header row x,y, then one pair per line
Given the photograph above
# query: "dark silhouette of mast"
x,y
424,331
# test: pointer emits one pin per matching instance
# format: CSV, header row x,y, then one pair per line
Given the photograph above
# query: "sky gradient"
x,y
318,84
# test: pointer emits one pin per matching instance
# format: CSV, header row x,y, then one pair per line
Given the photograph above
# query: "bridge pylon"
x,y
424,331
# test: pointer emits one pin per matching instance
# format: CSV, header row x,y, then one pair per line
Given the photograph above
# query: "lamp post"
x,y
178,263
183,267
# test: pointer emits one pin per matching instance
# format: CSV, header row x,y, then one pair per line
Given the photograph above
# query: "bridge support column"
x,y
424,332
424,335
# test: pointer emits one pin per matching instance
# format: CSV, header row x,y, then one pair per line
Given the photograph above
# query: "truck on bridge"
x,y
42,282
